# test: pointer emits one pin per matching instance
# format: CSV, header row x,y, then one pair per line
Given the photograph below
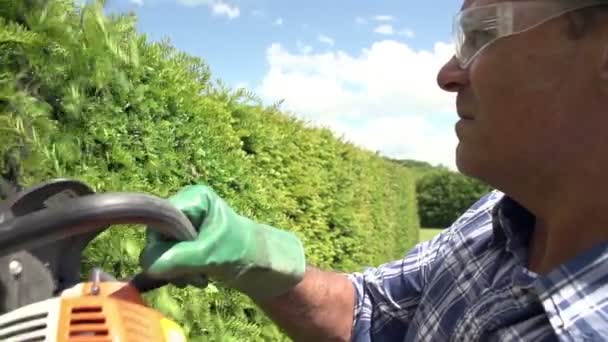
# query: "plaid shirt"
x,y
470,283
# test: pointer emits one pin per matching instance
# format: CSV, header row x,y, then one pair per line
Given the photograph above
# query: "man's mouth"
x,y
465,116
463,110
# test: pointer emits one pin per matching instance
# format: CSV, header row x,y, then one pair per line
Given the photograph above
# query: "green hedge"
x,y
84,96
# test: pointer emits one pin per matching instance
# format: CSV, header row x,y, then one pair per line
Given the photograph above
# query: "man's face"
x,y
526,102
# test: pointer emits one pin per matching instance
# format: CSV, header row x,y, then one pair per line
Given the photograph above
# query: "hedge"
x,y
85,96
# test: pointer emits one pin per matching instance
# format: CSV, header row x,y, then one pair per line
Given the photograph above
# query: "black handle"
x,y
92,213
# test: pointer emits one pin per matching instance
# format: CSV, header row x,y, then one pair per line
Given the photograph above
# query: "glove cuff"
x,y
280,264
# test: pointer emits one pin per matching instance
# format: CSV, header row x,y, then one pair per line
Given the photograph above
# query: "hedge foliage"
x,y
84,96
443,195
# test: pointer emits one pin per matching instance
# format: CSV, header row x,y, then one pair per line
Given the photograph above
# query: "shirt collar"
x,y
573,293
512,225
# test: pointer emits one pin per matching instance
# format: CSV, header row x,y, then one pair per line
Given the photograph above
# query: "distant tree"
x,y
444,195
415,163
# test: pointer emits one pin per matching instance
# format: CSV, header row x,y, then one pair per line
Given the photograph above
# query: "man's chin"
x,y
466,162
473,164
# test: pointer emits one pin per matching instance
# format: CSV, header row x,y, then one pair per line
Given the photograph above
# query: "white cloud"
x,y
360,21
384,29
194,3
384,18
303,48
385,98
405,137
278,22
218,7
406,32
221,8
325,39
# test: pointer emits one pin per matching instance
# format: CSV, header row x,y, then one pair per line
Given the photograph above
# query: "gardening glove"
x,y
258,260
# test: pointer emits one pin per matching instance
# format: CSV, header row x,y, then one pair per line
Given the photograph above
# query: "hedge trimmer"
x,y
43,232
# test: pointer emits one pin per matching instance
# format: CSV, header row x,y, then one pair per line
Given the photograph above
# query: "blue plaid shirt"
x,y
470,283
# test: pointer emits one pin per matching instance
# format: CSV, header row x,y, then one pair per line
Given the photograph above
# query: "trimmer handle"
x,y
93,213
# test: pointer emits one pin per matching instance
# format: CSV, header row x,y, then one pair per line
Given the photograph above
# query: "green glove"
x,y
259,260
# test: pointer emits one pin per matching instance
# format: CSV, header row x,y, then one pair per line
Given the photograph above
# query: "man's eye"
x,y
478,38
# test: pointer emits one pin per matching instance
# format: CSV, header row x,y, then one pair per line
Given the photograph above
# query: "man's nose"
x,y
452,77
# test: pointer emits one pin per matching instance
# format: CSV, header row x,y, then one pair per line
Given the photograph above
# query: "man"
x,y
529,261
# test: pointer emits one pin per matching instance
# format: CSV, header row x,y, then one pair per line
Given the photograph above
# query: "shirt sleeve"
x,y
387,296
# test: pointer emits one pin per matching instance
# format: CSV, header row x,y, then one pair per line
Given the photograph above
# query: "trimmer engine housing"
x,y
43,232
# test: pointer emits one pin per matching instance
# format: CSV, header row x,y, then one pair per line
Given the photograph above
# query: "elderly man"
x,y
528,261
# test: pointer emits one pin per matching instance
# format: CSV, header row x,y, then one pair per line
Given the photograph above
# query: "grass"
x,y
428,233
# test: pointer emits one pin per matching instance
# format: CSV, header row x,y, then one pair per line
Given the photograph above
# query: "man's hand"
x,y
258,260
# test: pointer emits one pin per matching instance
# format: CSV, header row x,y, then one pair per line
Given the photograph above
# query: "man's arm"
x,y
320,308
374,304
263,262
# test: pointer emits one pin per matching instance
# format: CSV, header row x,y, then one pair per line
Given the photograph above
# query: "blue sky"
x,y
366,69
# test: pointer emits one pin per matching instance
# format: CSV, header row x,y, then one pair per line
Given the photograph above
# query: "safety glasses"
x,y
475,28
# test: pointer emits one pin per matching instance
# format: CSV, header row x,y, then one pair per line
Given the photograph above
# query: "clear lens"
x,y
477,27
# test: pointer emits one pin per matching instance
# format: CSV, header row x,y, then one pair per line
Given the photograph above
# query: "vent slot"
x,y
88,321
34,339
23,320
76,321
26,328
89,331
23,331
86,309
